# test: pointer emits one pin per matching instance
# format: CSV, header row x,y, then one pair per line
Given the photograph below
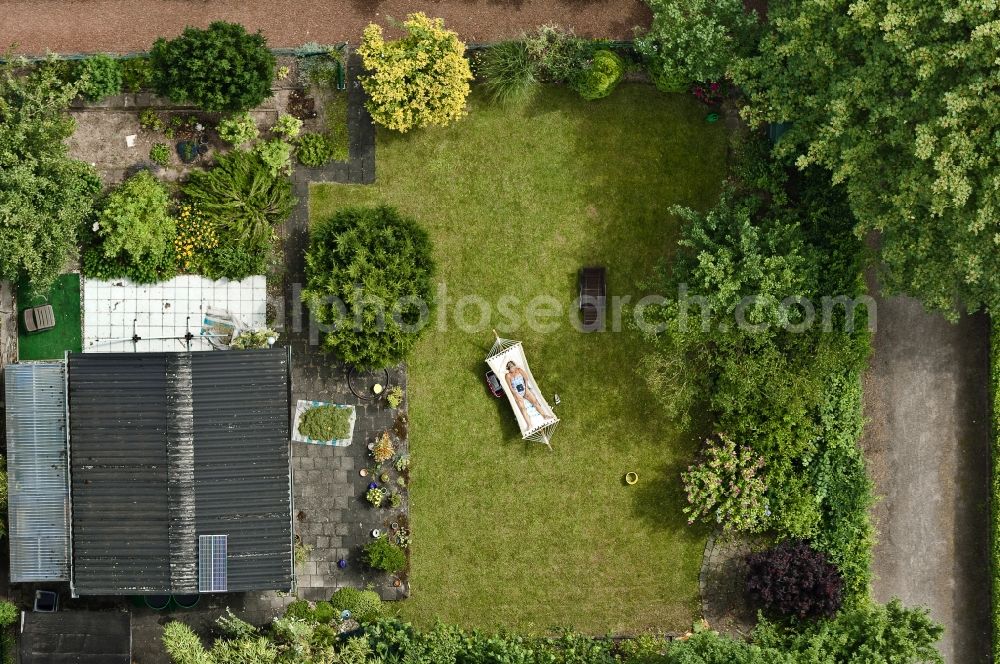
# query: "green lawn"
x,y
506,532
52,344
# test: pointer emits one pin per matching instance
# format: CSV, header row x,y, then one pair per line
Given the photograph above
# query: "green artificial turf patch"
x,y
66,336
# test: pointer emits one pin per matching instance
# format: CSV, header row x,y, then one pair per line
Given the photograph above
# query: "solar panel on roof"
x,y
212,563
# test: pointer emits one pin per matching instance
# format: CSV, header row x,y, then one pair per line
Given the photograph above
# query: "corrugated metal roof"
x,y
38,502
76,637
159,438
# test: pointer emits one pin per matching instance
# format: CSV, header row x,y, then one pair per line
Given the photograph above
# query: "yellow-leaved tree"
x,y
419,80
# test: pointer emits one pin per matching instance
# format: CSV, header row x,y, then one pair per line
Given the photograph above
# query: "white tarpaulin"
x,y
534,415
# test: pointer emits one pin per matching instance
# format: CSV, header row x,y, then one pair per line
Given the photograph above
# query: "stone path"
x,y
332,515
927,444
722,585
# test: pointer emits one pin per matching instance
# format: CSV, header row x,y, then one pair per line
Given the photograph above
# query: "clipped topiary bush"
x,y
100,76
419,80
601,77
221,68
792,579
324,612
390,255
364,605
300,609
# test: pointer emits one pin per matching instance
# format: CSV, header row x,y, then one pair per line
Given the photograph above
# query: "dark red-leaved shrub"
x,y
792,579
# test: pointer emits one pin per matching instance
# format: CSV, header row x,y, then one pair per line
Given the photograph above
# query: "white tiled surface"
x,y
112,309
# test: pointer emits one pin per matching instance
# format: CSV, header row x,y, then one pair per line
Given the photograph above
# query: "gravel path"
x,y
927,443
120,26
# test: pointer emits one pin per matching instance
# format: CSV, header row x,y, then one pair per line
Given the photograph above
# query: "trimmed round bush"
x,y
368,278
364,605
601,77
100,76
221,68
793,579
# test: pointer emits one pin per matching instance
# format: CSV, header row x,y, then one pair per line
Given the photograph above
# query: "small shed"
x,y
76,637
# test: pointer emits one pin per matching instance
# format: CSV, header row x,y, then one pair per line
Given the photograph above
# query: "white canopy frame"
x,y
537,427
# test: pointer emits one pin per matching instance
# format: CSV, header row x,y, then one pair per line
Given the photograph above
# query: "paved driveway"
x,y
928,447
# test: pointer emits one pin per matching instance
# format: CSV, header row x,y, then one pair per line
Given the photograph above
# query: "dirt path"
x,y
927,442
87,26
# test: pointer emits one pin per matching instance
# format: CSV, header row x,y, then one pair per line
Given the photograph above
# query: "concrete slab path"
x,y
927,442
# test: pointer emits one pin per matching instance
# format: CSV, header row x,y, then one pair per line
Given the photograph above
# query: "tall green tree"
x,y
44,195
900,100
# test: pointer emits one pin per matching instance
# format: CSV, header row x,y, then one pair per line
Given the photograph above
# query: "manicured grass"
x,y
66,336
506,532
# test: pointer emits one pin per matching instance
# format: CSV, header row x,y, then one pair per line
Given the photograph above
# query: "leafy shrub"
x,y
402,463
417,81
287,126
276,155
247,650
510,71
234,627
867,634
324,612
327,422
137,73
792,579
727,487
238,129
364,605
100,77
134,233
160,154
382,554
792,394
150,120
388,253
601,77
243,201
9,613
183,645
395,501
693,40
560,55
314,150
221,68
45,197
300,609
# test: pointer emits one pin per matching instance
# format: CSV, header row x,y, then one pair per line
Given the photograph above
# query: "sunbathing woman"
x,y
521,389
